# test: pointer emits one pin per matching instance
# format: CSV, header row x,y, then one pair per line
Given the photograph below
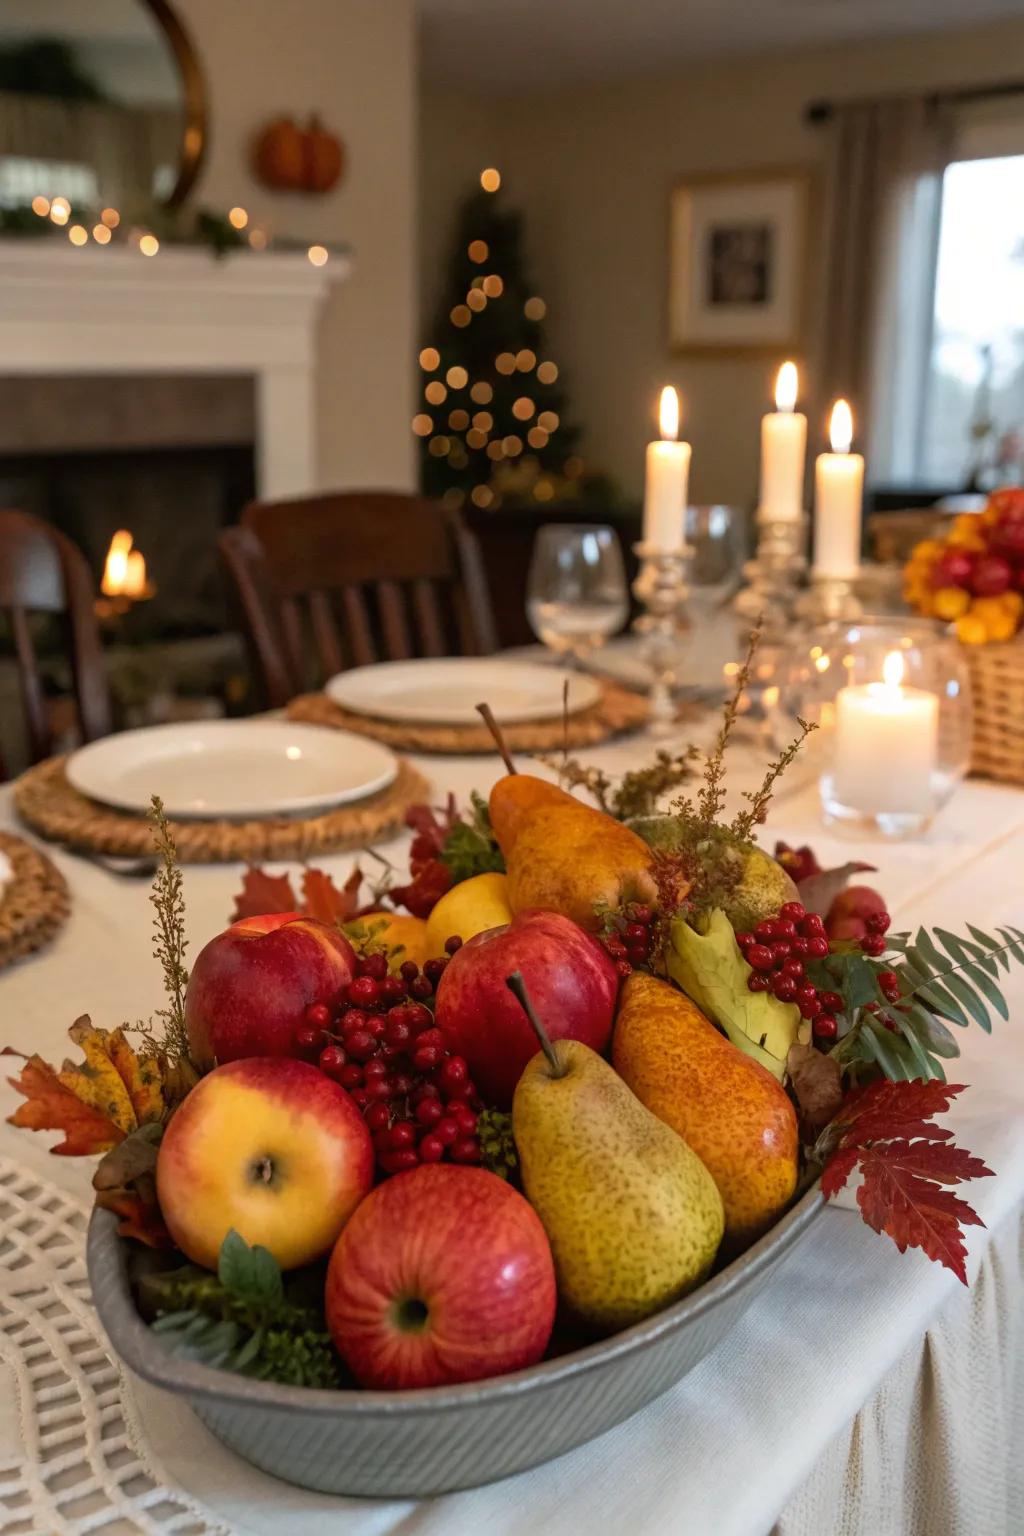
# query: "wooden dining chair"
x,y
43,572
337,580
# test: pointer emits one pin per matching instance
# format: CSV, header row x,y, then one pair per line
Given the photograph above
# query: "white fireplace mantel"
x,y
67,310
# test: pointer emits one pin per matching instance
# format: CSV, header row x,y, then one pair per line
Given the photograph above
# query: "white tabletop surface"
x,y
723,1451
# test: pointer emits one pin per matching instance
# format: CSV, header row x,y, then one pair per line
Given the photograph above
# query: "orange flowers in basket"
x,y
974,577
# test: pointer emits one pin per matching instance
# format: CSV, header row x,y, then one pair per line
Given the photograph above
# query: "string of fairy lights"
x,y
84,230
456,422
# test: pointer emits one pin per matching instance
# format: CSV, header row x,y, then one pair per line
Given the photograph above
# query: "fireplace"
x,y
154,397
169,461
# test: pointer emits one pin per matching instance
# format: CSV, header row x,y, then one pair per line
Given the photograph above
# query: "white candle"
x,y
783,453
667,479
886,743
838,493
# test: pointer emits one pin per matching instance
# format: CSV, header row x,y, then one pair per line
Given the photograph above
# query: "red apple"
x,y
1009,503
1008,541
443,1274
251,985
572,981
269,1147
848,914
991,576
953,569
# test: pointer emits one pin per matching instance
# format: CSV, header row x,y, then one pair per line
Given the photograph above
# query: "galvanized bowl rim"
x,y
142,1352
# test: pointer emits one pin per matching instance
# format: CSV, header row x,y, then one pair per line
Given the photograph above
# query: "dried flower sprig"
x,y
169,943
760,799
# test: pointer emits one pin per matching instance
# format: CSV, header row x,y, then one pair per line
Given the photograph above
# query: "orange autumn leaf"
x,y
139,1218
50,1106
95,1102
322,899
262,893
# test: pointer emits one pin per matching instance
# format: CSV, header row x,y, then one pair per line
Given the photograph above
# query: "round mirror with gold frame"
x,y
101,102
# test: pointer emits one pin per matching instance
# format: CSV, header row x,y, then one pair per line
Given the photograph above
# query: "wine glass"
x,y
715,537
576,594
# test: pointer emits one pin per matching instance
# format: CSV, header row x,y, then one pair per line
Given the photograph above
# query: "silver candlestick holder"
x,y
661,587
775,575
830,598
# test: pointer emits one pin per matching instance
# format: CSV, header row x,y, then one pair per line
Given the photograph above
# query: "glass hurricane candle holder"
x,y
891,699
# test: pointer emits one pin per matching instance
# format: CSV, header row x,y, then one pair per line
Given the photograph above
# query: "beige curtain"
x,y
886,160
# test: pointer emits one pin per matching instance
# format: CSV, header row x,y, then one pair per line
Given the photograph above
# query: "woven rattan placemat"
x,y
48,803
614,713
35,904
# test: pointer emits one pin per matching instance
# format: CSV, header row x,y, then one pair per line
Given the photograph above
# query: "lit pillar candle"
x,y
667,479
783,453
886,743
838,492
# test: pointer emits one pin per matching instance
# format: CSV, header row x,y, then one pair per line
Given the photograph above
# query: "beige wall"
x,y
353,62
592,169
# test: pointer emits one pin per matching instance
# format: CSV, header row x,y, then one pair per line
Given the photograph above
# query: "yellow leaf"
x,y
96,1081
141,1077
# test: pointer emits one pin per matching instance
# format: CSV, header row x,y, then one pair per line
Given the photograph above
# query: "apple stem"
x,y
517,986
485,711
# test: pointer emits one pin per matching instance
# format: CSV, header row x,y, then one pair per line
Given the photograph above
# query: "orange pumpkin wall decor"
x,y
293,159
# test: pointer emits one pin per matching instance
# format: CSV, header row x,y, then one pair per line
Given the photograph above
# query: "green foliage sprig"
x,y
944,979
471,847
241,1319
497,1145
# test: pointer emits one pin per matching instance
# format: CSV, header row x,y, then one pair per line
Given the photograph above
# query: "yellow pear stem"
x,y
484,710
517,986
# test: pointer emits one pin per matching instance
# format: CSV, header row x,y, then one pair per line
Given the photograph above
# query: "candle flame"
x,y
124,570
668,414
841,427
786,386
892,669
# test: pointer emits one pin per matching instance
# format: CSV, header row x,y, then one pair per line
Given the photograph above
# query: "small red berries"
x,y
824,1027
452,945
874,944
760,957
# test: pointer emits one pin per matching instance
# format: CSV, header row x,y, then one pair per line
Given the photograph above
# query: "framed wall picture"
x,y
737,259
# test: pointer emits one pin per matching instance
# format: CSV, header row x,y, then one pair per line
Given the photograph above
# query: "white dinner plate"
x,y
231,768
447,692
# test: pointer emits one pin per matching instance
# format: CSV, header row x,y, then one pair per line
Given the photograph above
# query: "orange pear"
x,y
728,1108
565,856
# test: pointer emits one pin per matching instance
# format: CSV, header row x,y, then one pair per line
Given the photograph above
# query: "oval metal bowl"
x,y
400,1444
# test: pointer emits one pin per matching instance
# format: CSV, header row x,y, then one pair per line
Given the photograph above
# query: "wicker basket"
x,y
997,686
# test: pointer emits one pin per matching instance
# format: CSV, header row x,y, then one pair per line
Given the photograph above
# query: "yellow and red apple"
x,y
267,1146
444,1274
251,985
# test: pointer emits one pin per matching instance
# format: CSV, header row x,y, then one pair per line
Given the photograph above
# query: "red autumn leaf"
x,y
262,893
905,1162
322,899
50,1106
883,1109
431,880
139,1218
432,828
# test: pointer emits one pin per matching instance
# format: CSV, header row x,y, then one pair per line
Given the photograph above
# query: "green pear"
x,y
758,885
633,1217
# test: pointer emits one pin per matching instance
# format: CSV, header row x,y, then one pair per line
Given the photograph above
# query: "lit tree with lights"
x,y
492,415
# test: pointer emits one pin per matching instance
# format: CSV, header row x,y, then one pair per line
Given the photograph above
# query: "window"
x,y
972,421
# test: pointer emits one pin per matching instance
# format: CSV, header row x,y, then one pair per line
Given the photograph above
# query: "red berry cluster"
x,y
629,936
873,943
380,1044
777,952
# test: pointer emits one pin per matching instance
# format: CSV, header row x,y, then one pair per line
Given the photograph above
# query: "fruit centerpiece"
x,y
587,1061
974,579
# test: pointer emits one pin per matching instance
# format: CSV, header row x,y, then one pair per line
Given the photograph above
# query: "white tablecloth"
x,y
865,1393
